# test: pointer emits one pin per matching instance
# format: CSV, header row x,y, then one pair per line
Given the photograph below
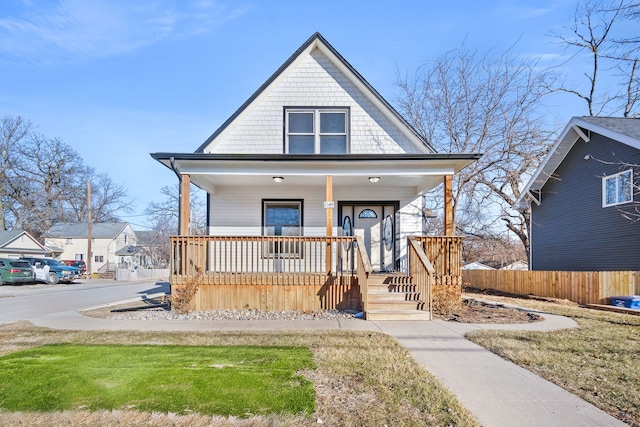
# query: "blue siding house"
x,y
585,207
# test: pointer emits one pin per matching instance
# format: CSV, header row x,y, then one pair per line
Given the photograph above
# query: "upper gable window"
x,y
617,189
317,131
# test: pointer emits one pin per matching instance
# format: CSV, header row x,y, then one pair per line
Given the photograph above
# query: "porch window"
x,y
617,189
316,131
282,218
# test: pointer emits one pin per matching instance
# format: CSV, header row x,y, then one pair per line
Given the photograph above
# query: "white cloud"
x,y
41,31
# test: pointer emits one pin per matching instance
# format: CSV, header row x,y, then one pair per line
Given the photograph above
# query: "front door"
x,y
376,225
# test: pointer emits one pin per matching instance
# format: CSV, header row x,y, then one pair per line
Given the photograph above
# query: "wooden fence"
x,y
583,287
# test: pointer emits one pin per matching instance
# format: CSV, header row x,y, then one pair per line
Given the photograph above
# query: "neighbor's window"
x,y
317,131
617,189
282,218
98,258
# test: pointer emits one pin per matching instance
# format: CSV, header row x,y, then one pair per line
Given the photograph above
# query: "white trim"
x,y
615,177
580,133
317,132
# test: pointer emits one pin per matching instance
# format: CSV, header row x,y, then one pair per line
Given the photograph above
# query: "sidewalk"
x,y
497,392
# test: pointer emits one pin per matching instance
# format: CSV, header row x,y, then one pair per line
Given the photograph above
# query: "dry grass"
x,y
598,361
362,379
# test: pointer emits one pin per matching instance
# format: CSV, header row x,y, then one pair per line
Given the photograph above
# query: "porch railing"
x,y
265,260
421,270
444,253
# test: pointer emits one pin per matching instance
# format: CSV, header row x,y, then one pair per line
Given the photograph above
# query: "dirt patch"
x,y
476,311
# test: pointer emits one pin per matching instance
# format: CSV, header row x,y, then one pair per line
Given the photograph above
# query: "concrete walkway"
x,y
497,392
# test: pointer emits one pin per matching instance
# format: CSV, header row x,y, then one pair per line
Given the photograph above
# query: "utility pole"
x,y
89,229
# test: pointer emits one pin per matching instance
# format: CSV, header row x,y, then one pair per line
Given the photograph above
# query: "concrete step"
x,y
397,315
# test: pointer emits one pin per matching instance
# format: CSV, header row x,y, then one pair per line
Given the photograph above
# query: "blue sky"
x,y
118,79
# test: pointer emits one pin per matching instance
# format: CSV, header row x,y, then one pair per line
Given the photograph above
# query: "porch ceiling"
x,y
420,171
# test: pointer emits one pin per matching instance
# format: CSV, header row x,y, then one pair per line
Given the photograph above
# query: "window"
x,y
98,258
317,131
282,218
68,241
368,213
617,189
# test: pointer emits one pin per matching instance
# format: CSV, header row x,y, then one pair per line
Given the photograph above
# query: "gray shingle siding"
x,y
571,231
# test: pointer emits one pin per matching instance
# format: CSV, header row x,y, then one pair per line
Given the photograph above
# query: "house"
x,y
476,266
517,265
18,243
315,175
107,240
155,248
583,198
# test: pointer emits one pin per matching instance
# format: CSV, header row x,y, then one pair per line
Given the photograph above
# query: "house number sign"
x,y
329,205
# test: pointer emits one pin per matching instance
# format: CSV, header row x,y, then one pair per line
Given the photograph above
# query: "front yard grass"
x,y
358,378
599,361
223,380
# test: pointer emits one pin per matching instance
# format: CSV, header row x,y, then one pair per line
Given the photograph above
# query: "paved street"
x,y
29,302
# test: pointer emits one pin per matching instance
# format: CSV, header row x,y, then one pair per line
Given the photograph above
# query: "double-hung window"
x,y
617,189
317,130
282,218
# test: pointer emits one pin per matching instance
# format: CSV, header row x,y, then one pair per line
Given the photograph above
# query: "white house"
x,y
315,152
107,239
17,243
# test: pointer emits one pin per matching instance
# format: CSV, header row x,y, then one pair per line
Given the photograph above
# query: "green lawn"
x,y
225,380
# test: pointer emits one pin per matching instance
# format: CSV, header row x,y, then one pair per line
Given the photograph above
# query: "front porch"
x,y
311,274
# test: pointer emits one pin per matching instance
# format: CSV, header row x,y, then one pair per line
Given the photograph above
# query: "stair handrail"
x,y
363,272
421,269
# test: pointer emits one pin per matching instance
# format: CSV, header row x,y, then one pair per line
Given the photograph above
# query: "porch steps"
x,y
109,274
394,297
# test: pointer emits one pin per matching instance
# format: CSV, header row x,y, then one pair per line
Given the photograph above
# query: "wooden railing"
x,y
271,273
421,270
444,253
222,258
363,266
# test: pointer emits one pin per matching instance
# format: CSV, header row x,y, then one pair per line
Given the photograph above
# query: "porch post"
x,y
329,220
185,188
448,205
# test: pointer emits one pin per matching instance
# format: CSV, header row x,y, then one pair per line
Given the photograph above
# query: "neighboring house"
x,y
518,265
155,249
581,195
476,266
18,243
107,240
315,152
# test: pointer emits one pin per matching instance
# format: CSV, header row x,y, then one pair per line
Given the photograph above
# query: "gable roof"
x,y
316,41
79,230
622,129
9,236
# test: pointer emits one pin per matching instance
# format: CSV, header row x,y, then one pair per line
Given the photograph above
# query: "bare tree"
x,y
598,30
490,105
13,131
44,182
163,213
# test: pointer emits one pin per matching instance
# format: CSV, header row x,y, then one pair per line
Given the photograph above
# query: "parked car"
x,y
79,264
52,271
15,271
